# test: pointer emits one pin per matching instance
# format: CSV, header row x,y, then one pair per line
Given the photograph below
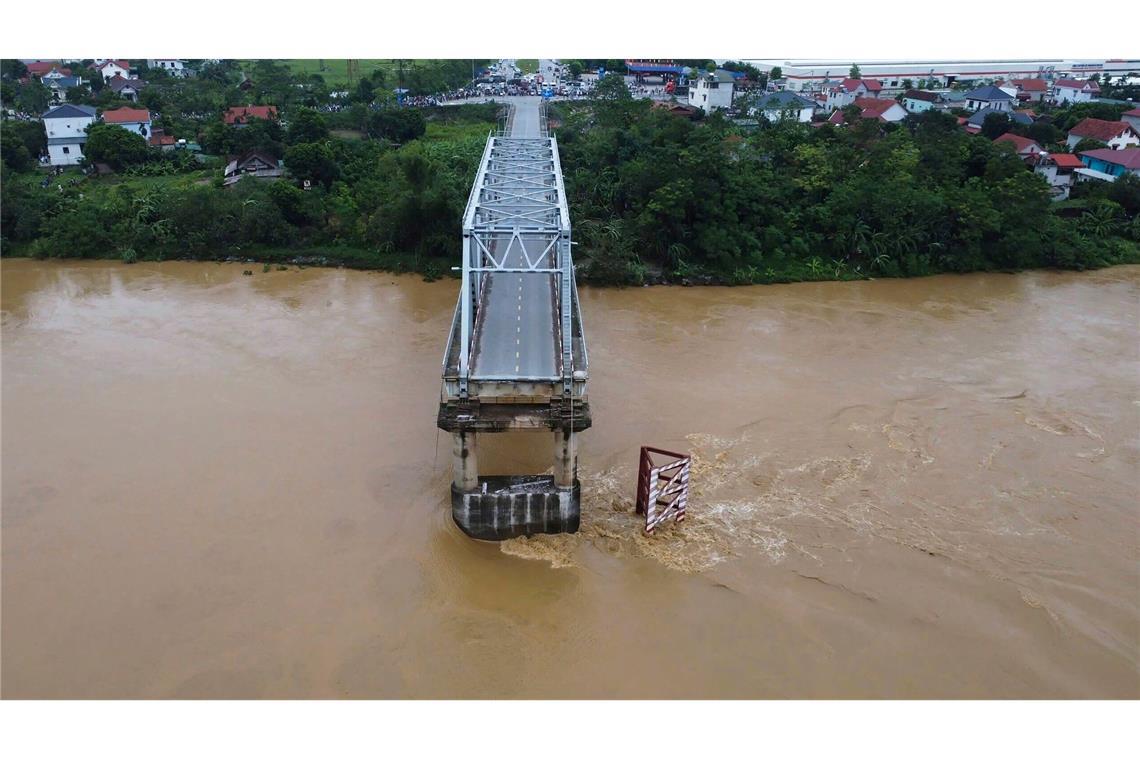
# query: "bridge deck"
x,y
516,333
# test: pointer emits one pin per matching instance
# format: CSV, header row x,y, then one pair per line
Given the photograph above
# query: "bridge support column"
x,y
565,458
465,462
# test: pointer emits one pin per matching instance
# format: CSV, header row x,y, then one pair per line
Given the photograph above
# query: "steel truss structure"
x,y
517,222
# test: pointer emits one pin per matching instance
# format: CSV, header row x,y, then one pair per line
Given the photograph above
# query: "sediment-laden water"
x,y
217,485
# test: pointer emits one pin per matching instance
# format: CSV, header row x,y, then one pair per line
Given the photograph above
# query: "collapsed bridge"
x,y
516,354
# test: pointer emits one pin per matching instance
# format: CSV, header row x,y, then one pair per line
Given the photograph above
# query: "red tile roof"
x,y
39,68
1031,85
122,63
872,85
125,115
1066,161
874,108
1133,112
1129,158
1020,144
1078,84
242,114
1100,129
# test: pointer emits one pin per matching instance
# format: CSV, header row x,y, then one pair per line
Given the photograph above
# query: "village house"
x,y
1031,90
1114,134
135,120
873,108
1058,170
239,116
254,163
989,96
1132,118
1025,147
917,101
128,89
109,68
42,69
66,129
1106,164
60,83
175,67
711,91
976,121
1074,91
783,105
677,109
845,93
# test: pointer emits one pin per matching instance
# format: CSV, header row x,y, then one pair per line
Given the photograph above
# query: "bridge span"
x,y
516,354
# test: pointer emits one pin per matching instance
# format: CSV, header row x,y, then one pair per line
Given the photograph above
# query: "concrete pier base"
x,y
465,461
516,505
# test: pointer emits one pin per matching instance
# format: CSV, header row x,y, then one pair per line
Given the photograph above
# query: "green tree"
x,y
306,126
854,73
777,73
31,133
995,125
15,153
1088,143
312,161
115,146
397,124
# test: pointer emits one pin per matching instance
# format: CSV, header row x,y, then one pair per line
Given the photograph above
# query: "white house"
x,y
845,93
135,120
783,105
175,67
127,89
709,92
108,68
1058,169
1074,91
66,128
1115,134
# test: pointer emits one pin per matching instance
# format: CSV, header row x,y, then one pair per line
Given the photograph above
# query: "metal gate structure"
x,y
662,486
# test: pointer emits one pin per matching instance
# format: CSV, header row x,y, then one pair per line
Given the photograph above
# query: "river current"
x,y
229,486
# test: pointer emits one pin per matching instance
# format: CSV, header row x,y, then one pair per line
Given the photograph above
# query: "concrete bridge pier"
x,y
565,458
465,461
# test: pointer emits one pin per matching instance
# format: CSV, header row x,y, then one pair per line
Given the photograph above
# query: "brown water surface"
x,y
217,485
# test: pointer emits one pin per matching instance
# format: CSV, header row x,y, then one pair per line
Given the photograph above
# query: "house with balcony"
x,y
711,91
175,67
110,67
127,89
66,130
1106,164
1058,169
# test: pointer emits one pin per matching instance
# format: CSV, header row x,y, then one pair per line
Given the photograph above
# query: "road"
x,y
515,334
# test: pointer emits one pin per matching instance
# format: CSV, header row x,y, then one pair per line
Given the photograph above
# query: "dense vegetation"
x,y
373,203
654,196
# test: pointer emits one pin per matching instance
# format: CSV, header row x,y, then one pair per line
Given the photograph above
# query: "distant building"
x,y
135,120
975,123
917,101
1074,91
677,109
1058,170
175,67
1106,164
109,68
128,89
1114,134
60,84
874,108
239,116
1132,118
989,96
42,69
254,163
66,129
845,93
776,106
1031,90
1023,146
711,91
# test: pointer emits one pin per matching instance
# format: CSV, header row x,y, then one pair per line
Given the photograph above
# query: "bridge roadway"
x,y
515,336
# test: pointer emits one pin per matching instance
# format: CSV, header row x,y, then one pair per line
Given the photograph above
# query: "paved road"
x,y
516,334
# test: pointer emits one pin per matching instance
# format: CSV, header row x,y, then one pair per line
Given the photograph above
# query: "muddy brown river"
x,y
217,485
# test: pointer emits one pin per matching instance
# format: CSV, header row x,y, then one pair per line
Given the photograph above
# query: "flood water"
x,y
217,485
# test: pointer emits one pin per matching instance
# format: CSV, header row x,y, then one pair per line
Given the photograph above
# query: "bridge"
x,y
516,355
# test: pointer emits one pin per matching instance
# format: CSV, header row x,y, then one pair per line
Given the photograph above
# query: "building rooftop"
x,y
126,115
1100,129
69,111
1129,158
